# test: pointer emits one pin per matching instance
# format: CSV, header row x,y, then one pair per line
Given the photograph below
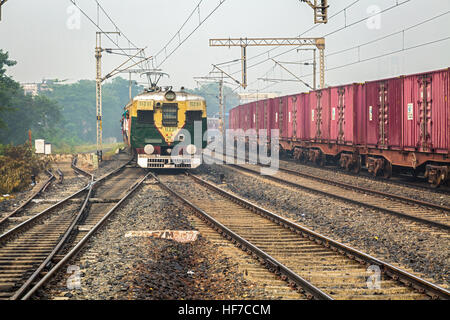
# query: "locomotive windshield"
x,y
170,114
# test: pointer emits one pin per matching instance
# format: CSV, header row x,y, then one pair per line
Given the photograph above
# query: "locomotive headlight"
x,y
191,149
149,149
170,96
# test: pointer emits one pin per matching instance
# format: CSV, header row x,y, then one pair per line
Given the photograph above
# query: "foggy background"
x,y
37,35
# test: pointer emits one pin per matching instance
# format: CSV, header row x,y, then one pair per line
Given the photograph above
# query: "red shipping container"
x,y
383,113
360,110
284,116
260,115
426,112
302,117
253,115
320,115
272,115
342,120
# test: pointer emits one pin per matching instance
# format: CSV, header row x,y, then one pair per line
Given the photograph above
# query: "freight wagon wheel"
x,y
436,182
320,160
357,165
387,171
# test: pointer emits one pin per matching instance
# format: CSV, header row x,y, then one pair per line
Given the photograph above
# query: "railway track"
x,y
314,264
8,218
418,211
33,251
417,183
32,205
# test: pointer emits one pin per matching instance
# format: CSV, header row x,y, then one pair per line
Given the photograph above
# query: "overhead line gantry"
x,y
318,43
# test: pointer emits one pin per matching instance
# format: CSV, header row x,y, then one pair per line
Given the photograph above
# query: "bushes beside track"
x,y
17,165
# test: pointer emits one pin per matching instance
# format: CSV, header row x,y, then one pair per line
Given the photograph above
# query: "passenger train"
x,y
158,126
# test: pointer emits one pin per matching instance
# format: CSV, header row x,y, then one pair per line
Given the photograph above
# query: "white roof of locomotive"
x,y
160,96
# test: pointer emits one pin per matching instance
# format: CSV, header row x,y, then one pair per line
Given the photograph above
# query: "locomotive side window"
x,y
145,117
170,114
192,116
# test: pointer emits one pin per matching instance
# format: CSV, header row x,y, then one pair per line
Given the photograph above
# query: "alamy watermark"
x,y
74,280
231,148
374,21
73,21
374,279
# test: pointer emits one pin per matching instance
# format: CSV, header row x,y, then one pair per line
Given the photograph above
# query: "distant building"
x,y
255,96
36,88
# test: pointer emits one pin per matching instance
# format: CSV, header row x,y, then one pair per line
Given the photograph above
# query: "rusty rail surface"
x,y
23,227
362,190
80,244
396,274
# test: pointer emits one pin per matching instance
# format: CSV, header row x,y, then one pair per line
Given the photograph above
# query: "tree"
x,y
210,92
8,87
20,112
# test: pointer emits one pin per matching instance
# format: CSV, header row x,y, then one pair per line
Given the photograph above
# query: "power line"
x,y
383,37
97,25
377,57
331,33
302,34
181,42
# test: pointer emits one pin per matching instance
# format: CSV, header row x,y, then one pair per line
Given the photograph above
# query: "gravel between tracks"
x,y
375,233
115,267
71,183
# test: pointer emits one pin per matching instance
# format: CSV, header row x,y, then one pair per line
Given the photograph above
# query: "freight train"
x,y
390,125
158,126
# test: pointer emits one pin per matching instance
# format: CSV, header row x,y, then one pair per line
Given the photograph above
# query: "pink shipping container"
x,y
285,117
302,116
342,114
426,112
231,119
382,113
360,118
272,115
253,115
260,115
320,115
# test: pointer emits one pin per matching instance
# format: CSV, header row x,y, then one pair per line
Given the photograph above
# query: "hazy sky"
x,y
37,35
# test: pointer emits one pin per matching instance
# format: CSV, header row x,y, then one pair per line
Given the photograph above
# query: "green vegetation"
x,y
78,108
87,148
17,164
210,92
20,113
66,117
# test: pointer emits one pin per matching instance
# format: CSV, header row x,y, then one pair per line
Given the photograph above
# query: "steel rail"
x,y
269,261
21,291
386,210
398,180
366,190
423,286
361,189
41,189
83,241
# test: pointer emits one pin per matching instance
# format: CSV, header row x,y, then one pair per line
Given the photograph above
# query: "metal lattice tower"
x,y
318,43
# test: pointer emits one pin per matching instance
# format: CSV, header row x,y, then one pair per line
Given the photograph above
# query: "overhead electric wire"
x,y
97,25
192,32
331,33
381,38
302,34
377,57
315,26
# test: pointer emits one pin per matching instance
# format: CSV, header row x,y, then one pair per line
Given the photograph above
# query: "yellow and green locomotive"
x,y
165,129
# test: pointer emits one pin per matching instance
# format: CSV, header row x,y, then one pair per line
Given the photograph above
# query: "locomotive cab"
x,y
159,127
